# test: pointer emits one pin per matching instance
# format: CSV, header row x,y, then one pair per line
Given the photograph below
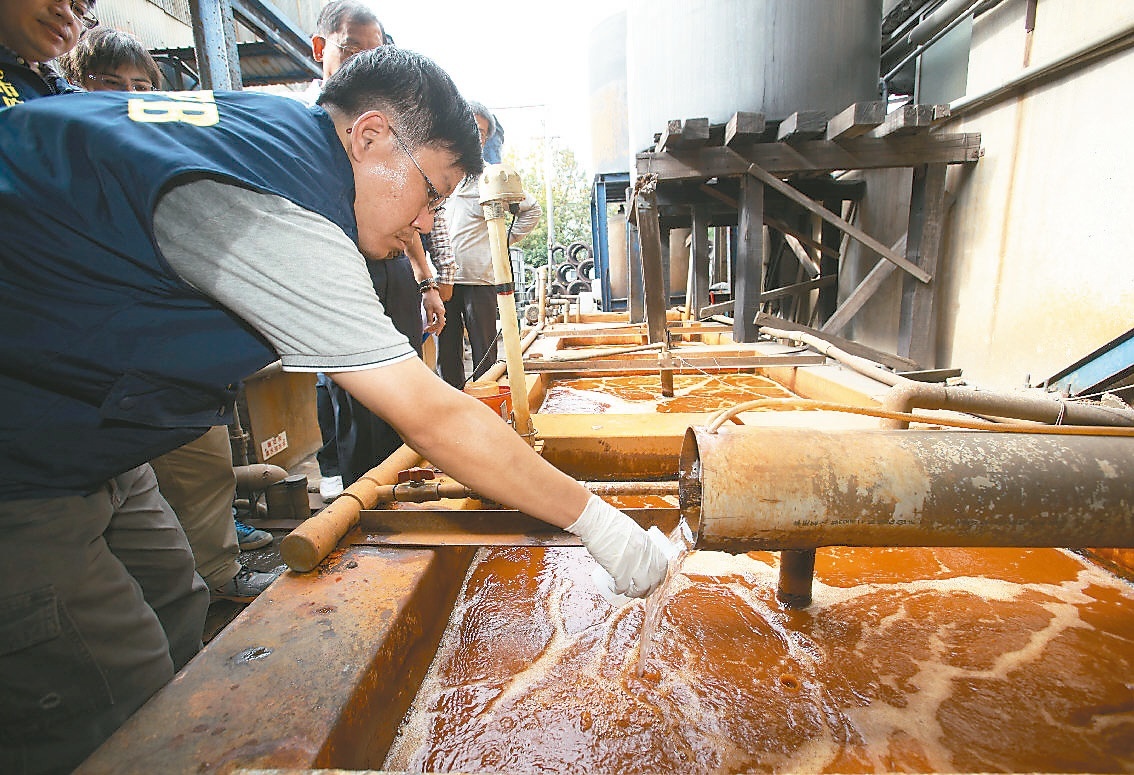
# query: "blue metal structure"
x,y
608,187
1108,367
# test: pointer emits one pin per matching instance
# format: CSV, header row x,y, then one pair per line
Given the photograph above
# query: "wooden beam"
x,y
815,156
680,363
718,195
905,120
681,134
862,293
749,260
917,322
797,288
802,125
801,253
856,120
743,128
810,242
856,233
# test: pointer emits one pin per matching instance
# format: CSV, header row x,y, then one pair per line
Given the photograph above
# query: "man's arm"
x,y
469,442
526,220
430,297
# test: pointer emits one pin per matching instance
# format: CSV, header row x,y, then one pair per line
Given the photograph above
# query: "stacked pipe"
x,y
573,269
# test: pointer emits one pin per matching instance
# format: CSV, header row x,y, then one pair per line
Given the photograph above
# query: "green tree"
x,y
570,196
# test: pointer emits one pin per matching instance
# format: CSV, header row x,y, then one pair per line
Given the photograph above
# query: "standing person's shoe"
x,y
330,487
251,538
244,586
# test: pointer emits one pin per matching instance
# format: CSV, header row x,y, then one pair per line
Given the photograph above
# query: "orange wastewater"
x,y
927,660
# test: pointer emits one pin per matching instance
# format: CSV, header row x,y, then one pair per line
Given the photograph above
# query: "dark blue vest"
x,y
107,359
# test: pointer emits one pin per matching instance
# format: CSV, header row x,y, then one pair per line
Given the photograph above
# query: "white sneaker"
x,y
330,487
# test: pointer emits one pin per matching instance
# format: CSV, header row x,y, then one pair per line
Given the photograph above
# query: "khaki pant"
x,y
198,482
99,606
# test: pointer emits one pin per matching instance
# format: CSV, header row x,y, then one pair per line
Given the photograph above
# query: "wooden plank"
x,y
917,322
682,134
810,242
815,156
744,128
905,120
802,125
856,233
856,120
749,260
854,348
861,294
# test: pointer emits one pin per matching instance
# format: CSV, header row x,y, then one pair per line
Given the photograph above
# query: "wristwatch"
x,y
426,284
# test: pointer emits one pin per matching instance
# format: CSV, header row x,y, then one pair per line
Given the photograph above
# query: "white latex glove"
x,y
635,561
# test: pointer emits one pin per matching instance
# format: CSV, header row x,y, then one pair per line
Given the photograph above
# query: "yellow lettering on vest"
x,y
196,108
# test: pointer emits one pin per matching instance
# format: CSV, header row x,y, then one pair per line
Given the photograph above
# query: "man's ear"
x,y
318,43
370,133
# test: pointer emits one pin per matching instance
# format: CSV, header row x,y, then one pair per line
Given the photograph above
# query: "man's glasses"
x,y
436,201
84,12
116,83
349,50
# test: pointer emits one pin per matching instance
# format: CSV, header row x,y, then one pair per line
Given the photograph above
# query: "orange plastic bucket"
x,y
496,397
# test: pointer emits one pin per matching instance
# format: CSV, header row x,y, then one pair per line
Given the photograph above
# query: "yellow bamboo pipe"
x,y
498,186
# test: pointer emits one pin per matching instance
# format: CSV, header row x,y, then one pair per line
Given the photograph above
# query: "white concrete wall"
x,y
1036,270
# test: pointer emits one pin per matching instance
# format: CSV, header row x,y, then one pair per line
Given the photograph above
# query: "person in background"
x,y
107,59
473,305
32,33
196,479
129,316
404,283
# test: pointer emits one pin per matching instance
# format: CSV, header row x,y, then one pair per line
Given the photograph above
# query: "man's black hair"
x,y
418,98
339,12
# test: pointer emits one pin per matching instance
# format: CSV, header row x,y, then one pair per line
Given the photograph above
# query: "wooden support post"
x,y
699,259
768,179
749,260
802,125
917,325
831,238
649,232
856,120
744,128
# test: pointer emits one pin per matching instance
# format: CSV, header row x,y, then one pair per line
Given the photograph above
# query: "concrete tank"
x,y
692,58
607,65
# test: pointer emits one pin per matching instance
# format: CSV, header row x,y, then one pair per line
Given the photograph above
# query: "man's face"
x,y
40,30
392,202
341,45
482,127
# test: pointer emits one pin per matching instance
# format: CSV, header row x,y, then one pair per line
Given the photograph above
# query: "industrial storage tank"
x,y
694,58
607,71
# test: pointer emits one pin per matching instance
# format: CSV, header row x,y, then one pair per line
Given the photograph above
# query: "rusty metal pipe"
x,y
631,488
258,476
909,395
747,488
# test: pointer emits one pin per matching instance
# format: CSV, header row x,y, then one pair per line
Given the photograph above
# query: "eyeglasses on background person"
x,y
84,12
112,82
